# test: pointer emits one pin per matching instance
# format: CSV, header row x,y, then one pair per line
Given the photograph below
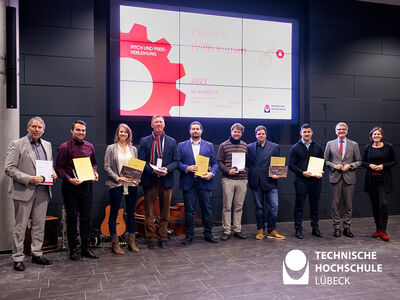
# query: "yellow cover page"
x,y
83,168
202,164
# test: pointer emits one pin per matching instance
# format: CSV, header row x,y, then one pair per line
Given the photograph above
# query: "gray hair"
x,y
341,124
156,116
39,119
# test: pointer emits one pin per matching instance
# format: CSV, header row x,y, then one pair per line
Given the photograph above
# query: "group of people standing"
x,y
342,156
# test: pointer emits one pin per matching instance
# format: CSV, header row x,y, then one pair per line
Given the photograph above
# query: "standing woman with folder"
x,y
118,155
378,157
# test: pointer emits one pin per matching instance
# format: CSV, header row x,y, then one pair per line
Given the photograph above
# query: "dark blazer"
x,y
388,164
258,170
186,158
169,160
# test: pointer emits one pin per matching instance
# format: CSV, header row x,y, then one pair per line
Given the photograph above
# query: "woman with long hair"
x,y
118,155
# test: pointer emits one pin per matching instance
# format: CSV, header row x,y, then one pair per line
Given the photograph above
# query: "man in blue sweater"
x,y
304,182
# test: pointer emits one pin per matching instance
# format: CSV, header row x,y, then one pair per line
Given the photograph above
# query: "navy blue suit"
x,y
262,186
194,188
158,186
169,160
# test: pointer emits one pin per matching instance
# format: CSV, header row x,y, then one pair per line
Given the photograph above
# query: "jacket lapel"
x,y
28,147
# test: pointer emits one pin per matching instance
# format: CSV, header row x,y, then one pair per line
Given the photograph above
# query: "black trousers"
x,y
77,201
379,202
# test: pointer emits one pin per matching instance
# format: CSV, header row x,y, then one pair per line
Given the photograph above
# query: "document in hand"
x,y
277,167
134,169
202,165
45,168
316,166
83,168
238,161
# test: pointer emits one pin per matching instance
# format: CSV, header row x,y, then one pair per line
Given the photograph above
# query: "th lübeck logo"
x,y
267,109
295,261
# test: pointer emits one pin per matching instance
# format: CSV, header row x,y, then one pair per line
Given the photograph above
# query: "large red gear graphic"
x,y
163,72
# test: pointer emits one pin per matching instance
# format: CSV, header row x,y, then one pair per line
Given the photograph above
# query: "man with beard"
x,y
234,183
196,187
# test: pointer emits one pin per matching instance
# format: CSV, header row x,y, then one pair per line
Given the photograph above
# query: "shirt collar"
x,y
78,142
344,141
303,142
259,145
193,143
32,141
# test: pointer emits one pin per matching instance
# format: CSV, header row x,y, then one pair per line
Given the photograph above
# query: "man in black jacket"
x,y
304,182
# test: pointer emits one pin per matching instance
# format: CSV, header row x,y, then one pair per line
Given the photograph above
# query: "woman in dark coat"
x,y
379,158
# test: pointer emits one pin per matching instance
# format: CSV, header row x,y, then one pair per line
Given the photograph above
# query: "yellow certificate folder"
x,y
277,161
315,166
202,165
137,164
83,168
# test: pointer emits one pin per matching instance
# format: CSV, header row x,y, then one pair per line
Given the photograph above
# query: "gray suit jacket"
x,y
332,157
20,165
111,163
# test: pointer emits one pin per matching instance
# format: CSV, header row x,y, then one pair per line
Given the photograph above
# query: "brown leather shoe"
x,y
131,243
116,248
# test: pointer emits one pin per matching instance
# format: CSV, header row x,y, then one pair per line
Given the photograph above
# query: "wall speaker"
x,y
11,56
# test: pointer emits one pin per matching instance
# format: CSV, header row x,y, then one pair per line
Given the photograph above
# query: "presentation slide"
x,y
184,64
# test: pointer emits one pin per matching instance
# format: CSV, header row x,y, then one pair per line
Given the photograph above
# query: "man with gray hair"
x,y
30,192
234,182
342,157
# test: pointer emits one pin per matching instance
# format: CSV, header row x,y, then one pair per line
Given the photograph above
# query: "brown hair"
x,y
375,129
78,122
237,126
126,127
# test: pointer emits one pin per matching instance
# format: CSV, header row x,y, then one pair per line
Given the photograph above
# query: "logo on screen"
x,y
267,109
295,261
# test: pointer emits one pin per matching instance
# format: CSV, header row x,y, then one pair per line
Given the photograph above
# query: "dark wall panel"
x,y
377,87
362,64
391,44
82,14
46,70
69,98
54,41
325,85
45,12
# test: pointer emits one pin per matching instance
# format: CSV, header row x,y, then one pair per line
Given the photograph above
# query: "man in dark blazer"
x,y
197,187
305,183
30,196
160,153
258,161
342,157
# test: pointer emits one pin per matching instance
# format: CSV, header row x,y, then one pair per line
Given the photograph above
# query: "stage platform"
x,y
235,269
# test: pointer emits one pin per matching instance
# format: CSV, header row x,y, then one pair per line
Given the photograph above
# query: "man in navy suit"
x,y
157,149
259,158
196,187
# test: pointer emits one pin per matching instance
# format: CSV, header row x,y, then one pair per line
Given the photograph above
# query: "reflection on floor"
x,y
234,269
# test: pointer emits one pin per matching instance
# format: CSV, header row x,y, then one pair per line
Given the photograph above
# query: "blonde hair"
x,y
126,127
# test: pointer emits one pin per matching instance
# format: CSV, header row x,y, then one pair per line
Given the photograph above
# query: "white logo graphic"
x,y
295,260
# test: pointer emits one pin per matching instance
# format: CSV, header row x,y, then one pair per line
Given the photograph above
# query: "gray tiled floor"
x,y
235,269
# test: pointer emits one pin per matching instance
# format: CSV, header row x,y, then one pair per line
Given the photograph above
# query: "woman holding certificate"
x,y
379,158
117,156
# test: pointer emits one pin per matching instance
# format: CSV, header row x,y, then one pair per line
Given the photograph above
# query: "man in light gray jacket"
x,y
342,157
29,190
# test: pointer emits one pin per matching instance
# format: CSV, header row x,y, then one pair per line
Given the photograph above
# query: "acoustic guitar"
x,y
120,227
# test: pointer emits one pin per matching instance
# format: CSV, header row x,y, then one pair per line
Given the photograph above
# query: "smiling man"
x,y
234,183
304,182
77,194
26,189
262,186
342,156
160,150
196,187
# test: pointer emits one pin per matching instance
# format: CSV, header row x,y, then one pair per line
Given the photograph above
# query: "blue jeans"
x,y
312,187
115,204
272,206
190,197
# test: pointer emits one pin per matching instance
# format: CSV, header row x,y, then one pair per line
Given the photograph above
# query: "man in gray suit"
x,y
342,157
26,189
